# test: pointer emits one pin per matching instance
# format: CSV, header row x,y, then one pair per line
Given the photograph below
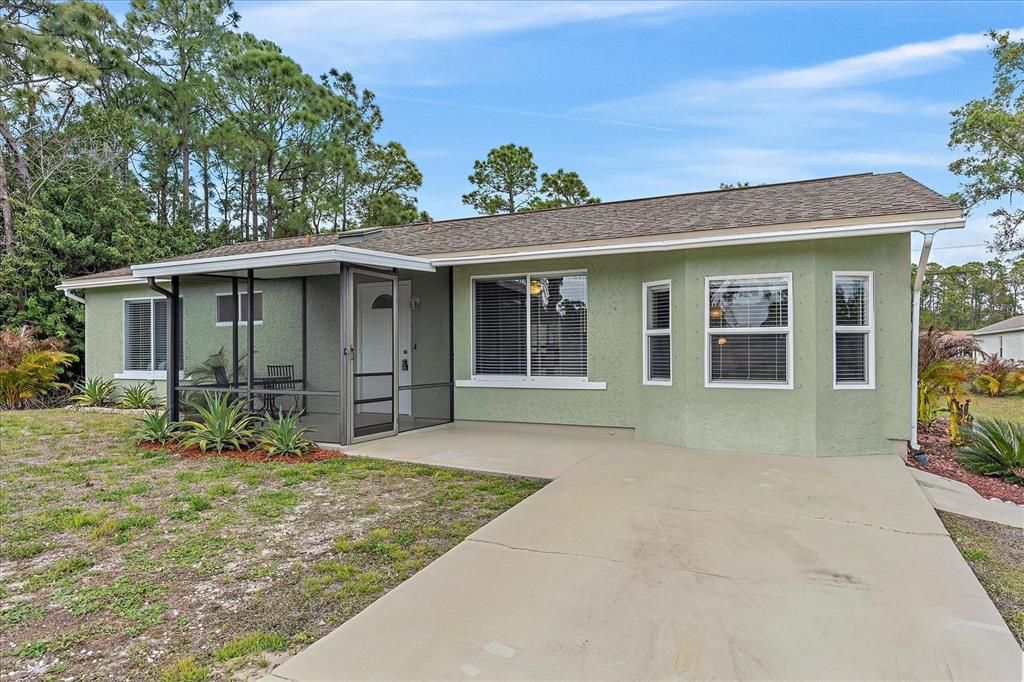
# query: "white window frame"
x,y
527,380
241,322
648,333
141,373
868,328
787,330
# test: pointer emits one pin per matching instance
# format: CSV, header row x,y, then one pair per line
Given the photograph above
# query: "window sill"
x,y
724,384
160,375
553,383
853,387
240,323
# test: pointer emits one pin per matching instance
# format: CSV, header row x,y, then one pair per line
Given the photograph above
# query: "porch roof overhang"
x,y
286,258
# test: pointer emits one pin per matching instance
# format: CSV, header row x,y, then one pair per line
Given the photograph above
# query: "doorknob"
x,y
405,365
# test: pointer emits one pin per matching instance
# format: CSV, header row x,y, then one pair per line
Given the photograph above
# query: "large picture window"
x,y
748,330
530,326
658,333
853,330
145,335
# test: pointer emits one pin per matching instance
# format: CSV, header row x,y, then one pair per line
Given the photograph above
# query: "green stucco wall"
x,y
812,418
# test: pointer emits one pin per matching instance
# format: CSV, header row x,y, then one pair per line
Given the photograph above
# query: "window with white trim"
x,y
853,323
224,308
749,331
657,332
145,334
531,325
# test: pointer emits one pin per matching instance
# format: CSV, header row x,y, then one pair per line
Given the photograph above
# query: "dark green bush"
x,y
995,447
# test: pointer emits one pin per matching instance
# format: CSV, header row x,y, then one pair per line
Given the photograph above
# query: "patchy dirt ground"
x,y
123,563
996,555
934,439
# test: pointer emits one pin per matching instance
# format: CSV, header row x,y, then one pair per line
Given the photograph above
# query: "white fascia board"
x,y
97,283
998,331
303,256
856,230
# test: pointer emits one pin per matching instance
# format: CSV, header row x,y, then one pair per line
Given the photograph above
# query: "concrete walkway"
x,y
960,498
643,561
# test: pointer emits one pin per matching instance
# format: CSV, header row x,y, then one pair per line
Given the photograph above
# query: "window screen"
x,y
657,332
748,329
224,307
853,329
530,325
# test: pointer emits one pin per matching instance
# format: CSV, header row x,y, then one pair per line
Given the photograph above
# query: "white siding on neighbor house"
x,y
1008,345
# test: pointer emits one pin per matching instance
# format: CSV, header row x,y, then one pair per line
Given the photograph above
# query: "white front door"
x,y
373,345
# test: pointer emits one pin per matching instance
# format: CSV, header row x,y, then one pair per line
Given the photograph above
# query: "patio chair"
x,y
280,377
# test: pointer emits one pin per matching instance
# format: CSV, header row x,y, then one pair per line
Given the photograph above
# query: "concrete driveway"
x,y
643,561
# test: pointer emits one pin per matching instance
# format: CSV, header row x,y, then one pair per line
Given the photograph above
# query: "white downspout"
x,y
73,297
915,333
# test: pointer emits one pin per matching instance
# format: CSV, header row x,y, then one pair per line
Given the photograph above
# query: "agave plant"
x,y
995,447
156,427
283,435
137,397
221,423
95,392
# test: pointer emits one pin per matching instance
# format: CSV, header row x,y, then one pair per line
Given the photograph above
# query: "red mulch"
x,y
934,439
314,455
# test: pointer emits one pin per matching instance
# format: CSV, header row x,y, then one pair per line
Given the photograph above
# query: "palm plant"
x,y
29,367
156,427
940,388
95,392
221,423
137,397
995,447
283,436
998,376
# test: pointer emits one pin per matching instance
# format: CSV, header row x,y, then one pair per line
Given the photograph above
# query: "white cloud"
x,y
367,32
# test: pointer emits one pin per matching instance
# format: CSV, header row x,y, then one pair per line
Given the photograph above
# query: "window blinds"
x,y
853,329
530,325
145,334
748,330
658,333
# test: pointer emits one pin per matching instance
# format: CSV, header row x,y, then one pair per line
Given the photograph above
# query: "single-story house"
x,y
1003,339
775,318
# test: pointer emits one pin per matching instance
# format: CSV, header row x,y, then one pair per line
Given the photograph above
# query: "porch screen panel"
x,y
558,325
499,326
748,330
138,337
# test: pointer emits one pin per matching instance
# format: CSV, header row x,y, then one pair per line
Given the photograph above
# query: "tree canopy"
x,y
506,182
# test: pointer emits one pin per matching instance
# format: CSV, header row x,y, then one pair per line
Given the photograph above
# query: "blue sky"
x,y
657,98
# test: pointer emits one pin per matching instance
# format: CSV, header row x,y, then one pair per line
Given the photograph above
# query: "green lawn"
x,y
996,555
1007,407
129,564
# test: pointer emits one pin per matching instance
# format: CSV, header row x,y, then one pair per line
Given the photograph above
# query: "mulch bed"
x,y
934,439
193,452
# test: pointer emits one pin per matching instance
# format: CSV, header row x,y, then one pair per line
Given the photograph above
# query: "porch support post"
x,y
249,328
451,344
174,332
345,405
234,332
305,354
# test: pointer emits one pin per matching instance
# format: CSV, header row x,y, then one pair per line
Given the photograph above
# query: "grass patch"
x,y
272,504
252,643
996,555
1009,407
185,670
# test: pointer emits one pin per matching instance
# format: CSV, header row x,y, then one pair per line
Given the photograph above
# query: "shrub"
x,y
936,344
29,367
995,447
137,397
95,392
156,427
221,423
940,389
998,376
283,436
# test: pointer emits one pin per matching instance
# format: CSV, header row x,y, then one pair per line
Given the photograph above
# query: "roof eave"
x,y
705,241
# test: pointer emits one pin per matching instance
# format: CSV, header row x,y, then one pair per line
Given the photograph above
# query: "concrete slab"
x,y
960,498
643,561
536,451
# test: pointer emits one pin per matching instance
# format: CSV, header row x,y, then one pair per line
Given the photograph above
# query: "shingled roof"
x,y
1007,325
847,197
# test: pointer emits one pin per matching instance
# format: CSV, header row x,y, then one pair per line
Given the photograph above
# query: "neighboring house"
x,y
774,318
1003,339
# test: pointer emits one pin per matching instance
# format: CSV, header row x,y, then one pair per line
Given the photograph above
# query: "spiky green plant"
x,y
282,435
95,392
222,423
995,447
137,397
156,427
